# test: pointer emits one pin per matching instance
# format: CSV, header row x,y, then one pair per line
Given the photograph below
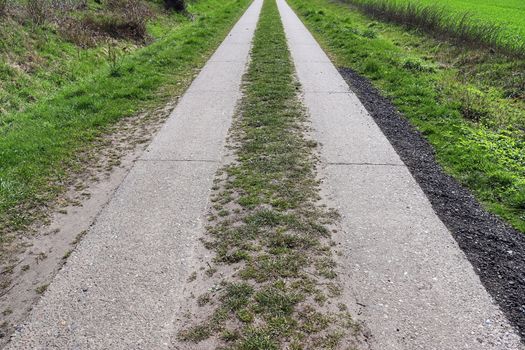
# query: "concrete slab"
x,y
318,76
231,52
346,130
304,53
122,286
416,288
191,132
411,283
218,76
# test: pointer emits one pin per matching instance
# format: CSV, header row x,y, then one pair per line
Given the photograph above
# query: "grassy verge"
x,y
41,142
475,122
466,27
265,222
68,42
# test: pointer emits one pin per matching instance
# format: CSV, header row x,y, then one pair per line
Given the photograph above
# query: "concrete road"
x,y
122,285
411,283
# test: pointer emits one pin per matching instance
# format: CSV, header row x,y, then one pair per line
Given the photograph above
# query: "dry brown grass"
x,y
123,19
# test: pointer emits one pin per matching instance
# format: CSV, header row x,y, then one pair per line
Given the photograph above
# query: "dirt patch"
x,y
36,256
496,250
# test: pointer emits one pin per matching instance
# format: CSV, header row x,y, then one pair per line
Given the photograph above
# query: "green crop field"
x,y
509,13
484,23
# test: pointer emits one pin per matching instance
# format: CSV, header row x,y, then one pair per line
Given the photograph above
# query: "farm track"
x,y
402,275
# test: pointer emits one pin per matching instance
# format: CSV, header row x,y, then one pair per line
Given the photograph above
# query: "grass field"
x,y
468,103
66,96
495,25
510,13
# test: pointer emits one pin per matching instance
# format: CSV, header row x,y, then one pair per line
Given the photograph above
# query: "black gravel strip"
x,y
496,250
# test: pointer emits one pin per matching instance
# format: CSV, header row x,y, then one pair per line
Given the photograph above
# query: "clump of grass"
x,y
437,20
114,56
272,230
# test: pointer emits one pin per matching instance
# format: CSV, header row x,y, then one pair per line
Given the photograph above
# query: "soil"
x,y
494,248
38,253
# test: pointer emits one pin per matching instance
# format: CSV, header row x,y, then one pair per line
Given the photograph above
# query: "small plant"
x,y
370,34
416,65
114,56
372,66
472,105
41,289
38,11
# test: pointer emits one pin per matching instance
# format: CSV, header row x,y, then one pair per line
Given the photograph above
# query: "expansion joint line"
x,y
180,160
366,163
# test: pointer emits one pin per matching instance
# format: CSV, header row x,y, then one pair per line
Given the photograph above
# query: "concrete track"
x,y
413,285
122,285
410,283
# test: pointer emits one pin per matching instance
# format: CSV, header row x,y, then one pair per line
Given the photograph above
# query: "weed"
x,y
229,335
203,299
416,65
192,277
472,105
372,66
114,56
370,34
41,289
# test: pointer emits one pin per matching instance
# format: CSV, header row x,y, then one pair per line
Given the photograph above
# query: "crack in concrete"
x,y
365,163
180,160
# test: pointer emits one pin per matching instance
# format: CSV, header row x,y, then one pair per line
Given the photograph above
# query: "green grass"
x,y
37,60
483,23
274,233
474,120
76,97
510,13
